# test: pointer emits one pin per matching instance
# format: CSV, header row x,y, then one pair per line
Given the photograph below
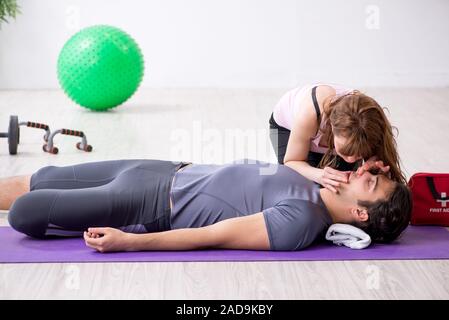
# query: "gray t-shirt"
x,y
295,215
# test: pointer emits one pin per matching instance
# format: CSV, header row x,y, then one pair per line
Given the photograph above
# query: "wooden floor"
x,y
208,126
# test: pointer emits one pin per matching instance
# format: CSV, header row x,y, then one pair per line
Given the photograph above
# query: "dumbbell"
x,y
13,133
13,136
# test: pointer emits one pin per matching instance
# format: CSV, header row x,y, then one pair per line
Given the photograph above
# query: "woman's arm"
x,y
304,128
328,177
248,232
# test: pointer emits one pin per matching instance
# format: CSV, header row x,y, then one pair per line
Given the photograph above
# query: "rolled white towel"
x,y
348,235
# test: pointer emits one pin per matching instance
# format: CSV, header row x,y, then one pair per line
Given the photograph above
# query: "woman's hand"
x,y
108,239
331,178
374,165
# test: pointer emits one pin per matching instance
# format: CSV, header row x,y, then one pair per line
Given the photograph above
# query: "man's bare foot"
x,y
11,188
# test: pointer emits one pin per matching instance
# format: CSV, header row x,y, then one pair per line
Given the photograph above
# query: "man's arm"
x,y
248,232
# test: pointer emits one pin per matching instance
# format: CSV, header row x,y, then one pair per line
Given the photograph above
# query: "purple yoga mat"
x,y
416,243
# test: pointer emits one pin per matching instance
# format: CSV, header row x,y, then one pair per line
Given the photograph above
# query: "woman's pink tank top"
x,y
286,109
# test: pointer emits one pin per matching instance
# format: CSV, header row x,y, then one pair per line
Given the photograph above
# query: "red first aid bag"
x,y
430,192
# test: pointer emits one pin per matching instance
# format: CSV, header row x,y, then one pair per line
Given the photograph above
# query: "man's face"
x,y
367,187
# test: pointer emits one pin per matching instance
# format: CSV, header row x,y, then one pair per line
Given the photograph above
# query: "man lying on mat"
x,y
134,205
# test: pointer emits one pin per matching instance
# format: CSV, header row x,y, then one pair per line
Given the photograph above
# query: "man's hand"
x,y
374,165
108,239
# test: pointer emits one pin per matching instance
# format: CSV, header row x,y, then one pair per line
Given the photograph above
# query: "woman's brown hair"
x,y
362,121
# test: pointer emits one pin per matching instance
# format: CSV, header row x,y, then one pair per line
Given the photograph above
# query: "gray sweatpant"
x,y
132,195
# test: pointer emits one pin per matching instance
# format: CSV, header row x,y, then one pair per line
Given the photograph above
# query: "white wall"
x,y
243,43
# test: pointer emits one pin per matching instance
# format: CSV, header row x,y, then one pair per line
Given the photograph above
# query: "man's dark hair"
x,y
388,218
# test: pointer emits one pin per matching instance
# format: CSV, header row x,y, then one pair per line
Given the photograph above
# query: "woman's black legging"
x,y
279,137
132,195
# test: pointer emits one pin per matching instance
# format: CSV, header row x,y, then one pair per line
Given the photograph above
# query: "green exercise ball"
x,y
100,67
